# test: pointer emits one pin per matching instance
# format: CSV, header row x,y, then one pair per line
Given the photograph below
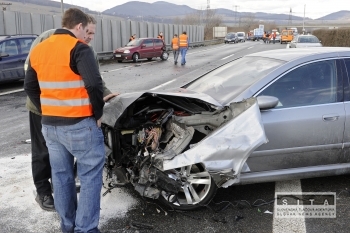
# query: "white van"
x,y
241,36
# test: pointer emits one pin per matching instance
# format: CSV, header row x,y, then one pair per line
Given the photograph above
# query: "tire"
x,y
198,185
164,56
119,61
135,57
150,58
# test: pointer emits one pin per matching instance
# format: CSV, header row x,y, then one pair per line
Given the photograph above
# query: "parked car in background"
x,y
263,117
241,36
141,48
277,39
302,41
231,38
14,50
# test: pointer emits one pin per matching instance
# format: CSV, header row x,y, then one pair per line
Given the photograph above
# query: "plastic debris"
x,y
268,212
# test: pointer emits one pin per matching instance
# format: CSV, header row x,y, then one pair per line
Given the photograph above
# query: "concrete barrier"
x,y
110,33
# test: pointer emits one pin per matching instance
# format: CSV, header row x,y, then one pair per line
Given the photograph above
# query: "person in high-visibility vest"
x,y
160,36
41,169
183,45
175,47
64,84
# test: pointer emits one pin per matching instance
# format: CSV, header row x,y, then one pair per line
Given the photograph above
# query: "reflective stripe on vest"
x,y
183,40
175,42
63,93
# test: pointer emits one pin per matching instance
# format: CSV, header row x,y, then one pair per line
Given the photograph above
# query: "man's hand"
x,y
107,97
99,122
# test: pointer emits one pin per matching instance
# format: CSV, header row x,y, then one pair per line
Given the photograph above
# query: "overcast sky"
x,y
314,8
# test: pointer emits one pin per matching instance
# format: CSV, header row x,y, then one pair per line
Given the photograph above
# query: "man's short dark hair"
x,y
73,17
184,32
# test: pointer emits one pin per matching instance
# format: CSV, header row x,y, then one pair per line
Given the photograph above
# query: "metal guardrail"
x,y
109,54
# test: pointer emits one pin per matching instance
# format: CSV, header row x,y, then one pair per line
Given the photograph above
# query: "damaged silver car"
x,y
259,118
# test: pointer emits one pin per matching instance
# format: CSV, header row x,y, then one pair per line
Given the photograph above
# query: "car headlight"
x,y
126,51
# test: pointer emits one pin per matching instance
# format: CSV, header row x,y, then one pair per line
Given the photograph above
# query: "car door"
x,y
158,47
306,128
346,74
146,50
11,66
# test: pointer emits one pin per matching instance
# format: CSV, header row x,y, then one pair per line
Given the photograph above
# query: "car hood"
x,y
121,49
115,107
223,152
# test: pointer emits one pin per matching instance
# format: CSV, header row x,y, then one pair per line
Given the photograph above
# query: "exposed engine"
x,y
153,127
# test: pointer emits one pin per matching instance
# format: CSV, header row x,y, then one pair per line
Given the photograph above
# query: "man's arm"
x,y
85,64
31,86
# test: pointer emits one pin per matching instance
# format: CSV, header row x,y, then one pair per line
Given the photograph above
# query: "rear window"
x,y
240,34
158,43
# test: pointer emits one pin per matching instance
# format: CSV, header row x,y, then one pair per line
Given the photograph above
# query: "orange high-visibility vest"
x,y
175,42
63,93
183,40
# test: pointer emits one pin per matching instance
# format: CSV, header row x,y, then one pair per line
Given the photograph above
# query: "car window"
x,y
148,43
25,44
311,84
9,47
135,42
158,43
228,81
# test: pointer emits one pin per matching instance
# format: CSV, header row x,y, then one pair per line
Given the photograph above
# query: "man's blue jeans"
x,y
84,141
183,55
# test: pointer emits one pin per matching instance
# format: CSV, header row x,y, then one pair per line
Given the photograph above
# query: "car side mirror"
x,y
267,102
4,55
143,46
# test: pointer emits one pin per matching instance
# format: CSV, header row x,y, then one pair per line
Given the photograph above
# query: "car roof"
x,y
3,37
292,54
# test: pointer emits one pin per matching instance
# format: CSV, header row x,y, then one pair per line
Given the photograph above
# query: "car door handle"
x,y
330,118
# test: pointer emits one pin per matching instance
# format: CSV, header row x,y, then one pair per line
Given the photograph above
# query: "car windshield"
x,y
239,34
135,42
228,81
308,39
230,36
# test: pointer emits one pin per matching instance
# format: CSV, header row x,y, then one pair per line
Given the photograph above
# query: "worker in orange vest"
x,y
64,83
160,36
133,37
273,37
183,45
175,47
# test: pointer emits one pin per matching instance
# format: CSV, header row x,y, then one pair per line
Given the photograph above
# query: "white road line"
x,y
154,88
250,47
286,225
10,92
227,57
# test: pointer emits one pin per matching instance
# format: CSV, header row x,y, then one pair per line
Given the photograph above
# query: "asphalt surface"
x,y
232,209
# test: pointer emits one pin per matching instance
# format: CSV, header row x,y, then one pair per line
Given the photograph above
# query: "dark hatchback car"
x,y
231,38
141,48
13,53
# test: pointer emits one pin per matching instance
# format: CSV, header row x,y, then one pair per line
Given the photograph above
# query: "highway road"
x,y
122,209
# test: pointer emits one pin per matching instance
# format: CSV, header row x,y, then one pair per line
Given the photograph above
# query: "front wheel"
x,y
164,56
135,57
198,188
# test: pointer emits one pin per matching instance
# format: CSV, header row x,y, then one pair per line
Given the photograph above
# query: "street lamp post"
x,y
304,20
62,7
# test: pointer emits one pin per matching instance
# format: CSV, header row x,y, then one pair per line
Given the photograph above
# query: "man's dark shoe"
x,y
46,202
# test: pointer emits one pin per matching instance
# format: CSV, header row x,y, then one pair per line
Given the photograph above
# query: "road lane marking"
x,y
292,224
227,57
161,85
11,92
250,47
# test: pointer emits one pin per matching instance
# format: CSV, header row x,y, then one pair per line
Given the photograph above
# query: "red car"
x,y
142,48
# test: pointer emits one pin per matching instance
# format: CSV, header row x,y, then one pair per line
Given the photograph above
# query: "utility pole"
x,y
62,7
235,13
304,20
